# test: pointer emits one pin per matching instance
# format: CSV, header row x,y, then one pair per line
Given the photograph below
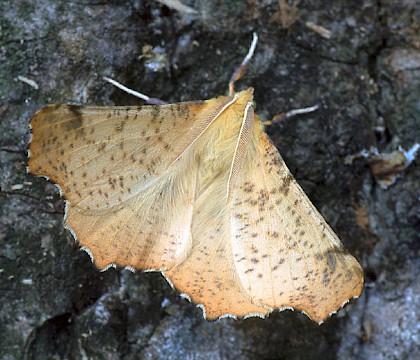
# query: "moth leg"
x,y
149,100
240,70
283,116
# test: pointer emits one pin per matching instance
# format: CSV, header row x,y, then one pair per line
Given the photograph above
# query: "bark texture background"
x,y
366,78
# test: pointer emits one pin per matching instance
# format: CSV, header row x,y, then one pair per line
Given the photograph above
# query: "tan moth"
x,y
197,191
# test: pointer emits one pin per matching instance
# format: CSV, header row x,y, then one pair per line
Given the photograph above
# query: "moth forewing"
x,y
284,252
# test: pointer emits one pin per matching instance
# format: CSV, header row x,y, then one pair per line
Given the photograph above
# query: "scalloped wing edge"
x,y
187,297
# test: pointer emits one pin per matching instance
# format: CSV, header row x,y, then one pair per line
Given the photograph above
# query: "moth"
x,y
197,191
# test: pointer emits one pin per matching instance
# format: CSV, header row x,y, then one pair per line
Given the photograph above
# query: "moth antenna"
x,y
178,6
289,114
240,71
149,100
29,82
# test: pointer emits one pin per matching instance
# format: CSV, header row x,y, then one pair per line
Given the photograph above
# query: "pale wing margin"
x,y
102,156
285,254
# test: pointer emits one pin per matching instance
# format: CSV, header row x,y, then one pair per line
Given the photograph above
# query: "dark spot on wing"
x,y
76,121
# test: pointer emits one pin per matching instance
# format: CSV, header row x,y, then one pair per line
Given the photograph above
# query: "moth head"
x,y
244,97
